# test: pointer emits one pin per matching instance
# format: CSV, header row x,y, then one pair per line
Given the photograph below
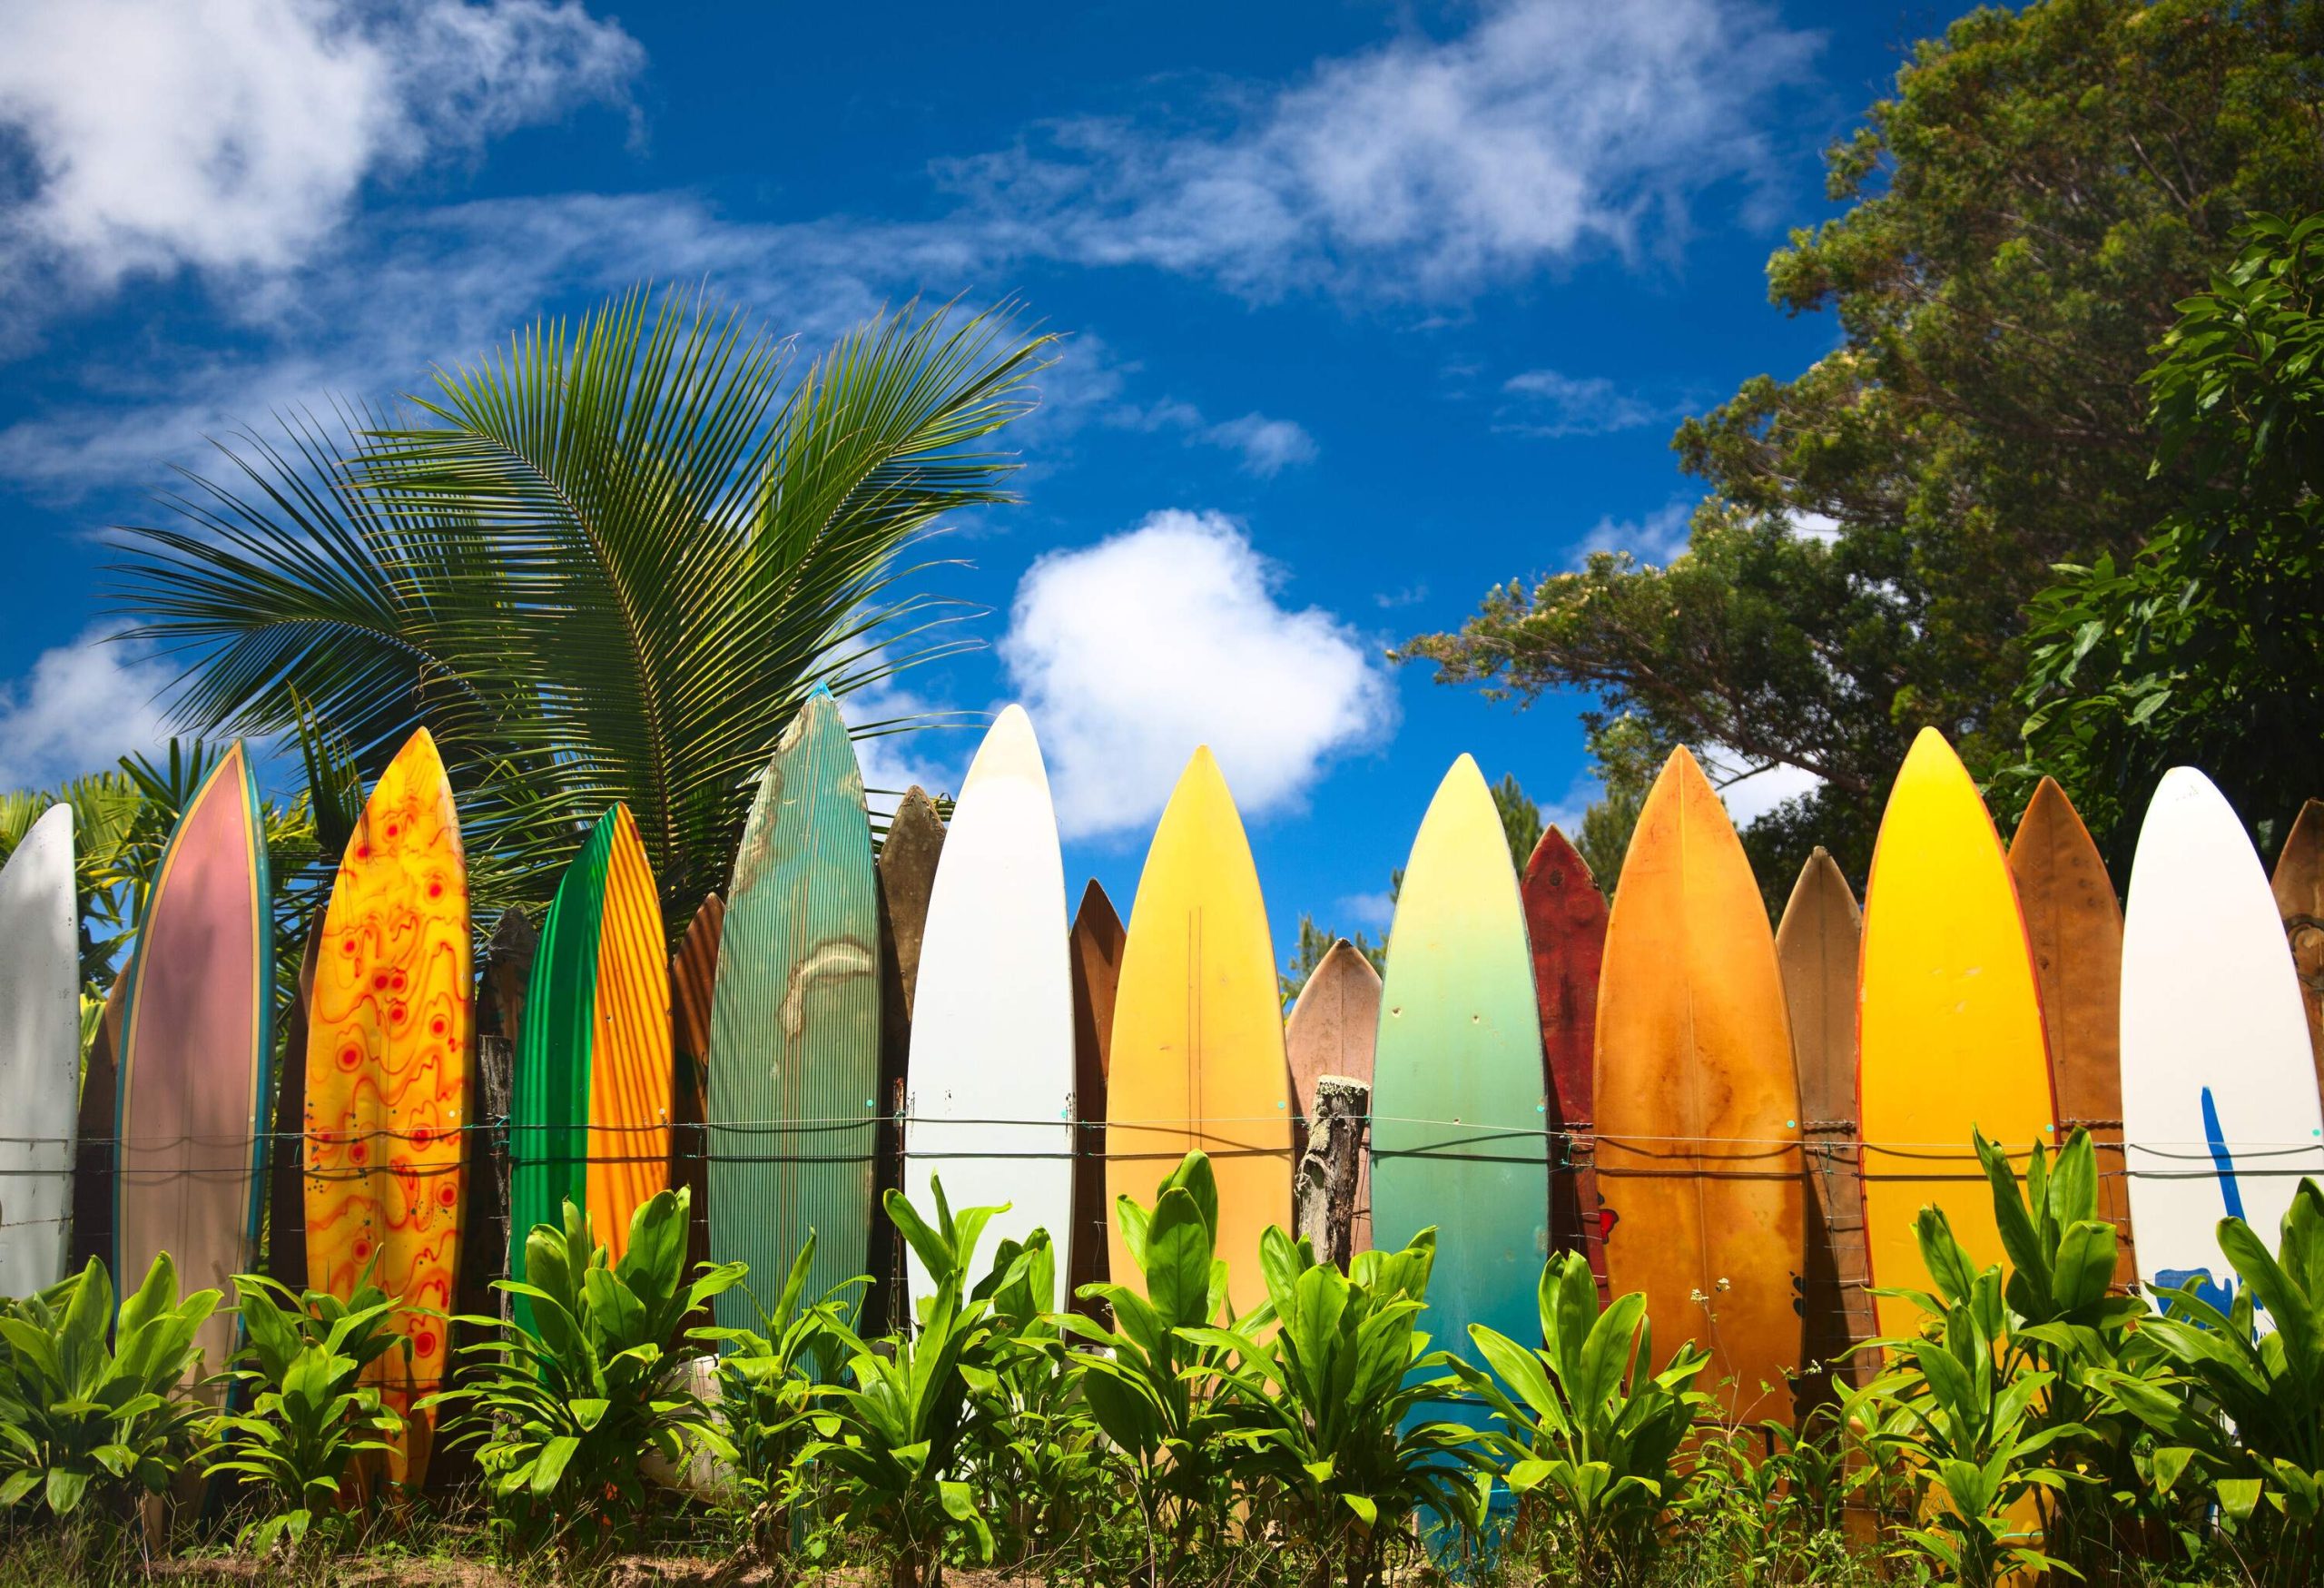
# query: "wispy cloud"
x,y
1550,405
1424,168
80,708
1267,446
1653,538
236,135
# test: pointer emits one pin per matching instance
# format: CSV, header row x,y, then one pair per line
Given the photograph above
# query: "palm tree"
x,y
606,565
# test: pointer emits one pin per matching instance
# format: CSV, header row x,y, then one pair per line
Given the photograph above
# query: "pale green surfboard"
x,y
795,1024
1458,1104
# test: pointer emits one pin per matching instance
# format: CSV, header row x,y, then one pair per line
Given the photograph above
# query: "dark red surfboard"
x,y
1565,918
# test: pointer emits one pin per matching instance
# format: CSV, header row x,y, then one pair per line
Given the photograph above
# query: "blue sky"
x,y
1368,307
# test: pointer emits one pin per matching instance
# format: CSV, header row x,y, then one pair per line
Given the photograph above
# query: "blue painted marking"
x,y
2225,1159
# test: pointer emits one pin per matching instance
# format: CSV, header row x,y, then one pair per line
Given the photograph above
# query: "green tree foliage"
x,y
606,565
2206,646
1630,755
2041,189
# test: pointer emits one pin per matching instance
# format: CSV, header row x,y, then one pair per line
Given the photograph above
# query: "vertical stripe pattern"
x,y
794,1040
630,1061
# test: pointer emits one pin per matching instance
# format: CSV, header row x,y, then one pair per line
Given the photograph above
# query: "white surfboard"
x,y
2220,1107
40,1053
989,1083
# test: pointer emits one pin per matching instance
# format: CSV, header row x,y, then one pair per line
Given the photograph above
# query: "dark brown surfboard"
x,y
2075,926
1096,957
94,1157
693,973
2299,899
907,868
1565,918
1815,948
286,1194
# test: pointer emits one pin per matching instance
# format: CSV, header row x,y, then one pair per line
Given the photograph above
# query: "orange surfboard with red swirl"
x,y
387,1074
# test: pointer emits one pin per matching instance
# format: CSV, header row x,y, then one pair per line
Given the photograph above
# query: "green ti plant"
x,y
311,1419
1045,1467
2240,1413
567,1408
897,1431
768,1406
1968,1410
1589,1428
1153,1385
85,1419
1329,1406
1764,1504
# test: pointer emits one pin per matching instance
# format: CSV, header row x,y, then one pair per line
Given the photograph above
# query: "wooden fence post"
x,y
1325,1190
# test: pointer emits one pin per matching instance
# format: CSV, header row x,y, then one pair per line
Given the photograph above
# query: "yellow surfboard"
x,y
1949,1023
632,1064
387,1073
1697,1106
1197,1058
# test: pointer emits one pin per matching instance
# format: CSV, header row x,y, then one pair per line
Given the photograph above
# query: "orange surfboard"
x,y
387,1083
632,1064
1949,1035
1698,1109
2073,924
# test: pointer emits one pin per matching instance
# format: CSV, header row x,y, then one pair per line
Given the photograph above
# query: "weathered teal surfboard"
x,y
1459,1107
795,1024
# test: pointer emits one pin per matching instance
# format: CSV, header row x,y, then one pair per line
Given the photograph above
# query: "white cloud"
x,y
80,708
1423,167
1268,446
1131,652
1751,793
1369,911
1810,525
1550,405
1654,538
235,135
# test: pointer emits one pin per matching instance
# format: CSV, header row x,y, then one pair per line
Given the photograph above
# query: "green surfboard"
x,y
548,1099
794,1023
1458,1104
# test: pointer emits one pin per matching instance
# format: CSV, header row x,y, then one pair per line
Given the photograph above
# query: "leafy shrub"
x,y
83,1419
1588,1426
1329,1405
312,1418
899,1418
767,1400
569,1407
1153,1386
2242,1412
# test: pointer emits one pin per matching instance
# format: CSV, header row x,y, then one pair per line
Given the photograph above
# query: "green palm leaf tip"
x,y
549,1103
605,563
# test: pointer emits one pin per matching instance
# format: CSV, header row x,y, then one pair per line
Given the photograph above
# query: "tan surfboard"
x,y
1332,1029
2073,924
1816,948
2299,899
1697,1109
693,976
907,877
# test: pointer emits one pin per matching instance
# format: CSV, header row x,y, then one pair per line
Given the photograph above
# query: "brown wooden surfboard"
x,y
1096,957
1698,1109
1332,1029
907,874
93,1157
286,1192
694,973
2299,899
2074,923
1817,947
1565,918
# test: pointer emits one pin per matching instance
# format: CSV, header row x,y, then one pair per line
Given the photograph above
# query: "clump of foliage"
x,y
567,1411
1588,1428
313,1418
96,1408
2202,648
